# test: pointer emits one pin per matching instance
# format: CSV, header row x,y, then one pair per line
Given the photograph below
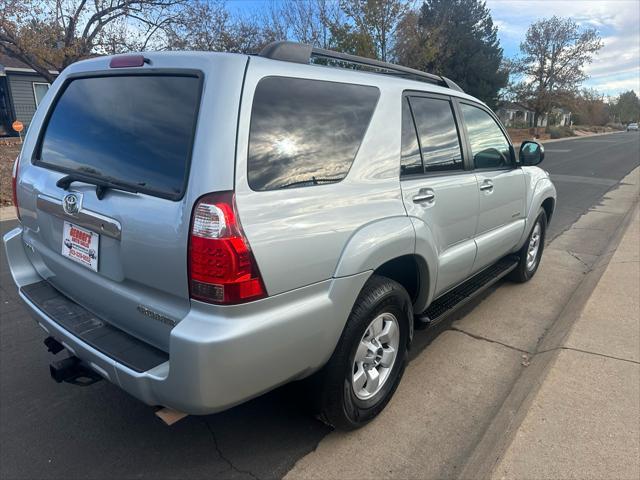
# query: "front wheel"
x,y
369,360
531,252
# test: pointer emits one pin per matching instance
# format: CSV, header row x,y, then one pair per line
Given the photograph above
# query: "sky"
x,y
614,70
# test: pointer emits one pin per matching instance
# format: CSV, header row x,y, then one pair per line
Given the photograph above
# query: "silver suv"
x,y
199,228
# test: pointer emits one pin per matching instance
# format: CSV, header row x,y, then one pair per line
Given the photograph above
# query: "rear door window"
x,y
438,134
133,130
306,132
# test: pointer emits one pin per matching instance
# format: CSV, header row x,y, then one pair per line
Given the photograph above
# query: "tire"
x,y
344,401
527,268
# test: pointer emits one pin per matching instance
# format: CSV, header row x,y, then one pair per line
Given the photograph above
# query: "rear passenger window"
x,y
438,134
306,132
489,146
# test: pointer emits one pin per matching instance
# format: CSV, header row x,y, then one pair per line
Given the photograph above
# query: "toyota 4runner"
x,y
199,228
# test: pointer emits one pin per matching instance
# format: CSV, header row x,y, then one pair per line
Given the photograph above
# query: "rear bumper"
x,y
218,356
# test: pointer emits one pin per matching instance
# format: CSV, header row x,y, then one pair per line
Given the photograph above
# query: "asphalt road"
x,y
62,431
584,169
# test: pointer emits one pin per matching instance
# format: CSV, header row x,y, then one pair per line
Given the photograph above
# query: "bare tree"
x,y
52,34
201,25
311,21
304,21
378,19
551,66
209,26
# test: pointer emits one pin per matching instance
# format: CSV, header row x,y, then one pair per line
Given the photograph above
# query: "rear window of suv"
x,y
306,132
134,130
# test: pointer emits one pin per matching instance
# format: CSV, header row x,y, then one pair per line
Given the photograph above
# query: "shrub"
x,y
560,132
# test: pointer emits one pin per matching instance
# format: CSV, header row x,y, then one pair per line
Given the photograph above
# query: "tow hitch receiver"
x,y
53,345
71,370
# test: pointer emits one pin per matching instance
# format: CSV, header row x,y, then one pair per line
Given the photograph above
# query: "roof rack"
x,y
303,53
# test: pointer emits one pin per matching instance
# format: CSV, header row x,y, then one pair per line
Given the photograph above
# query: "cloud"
x,y
616,68
614,87
507,29
620,54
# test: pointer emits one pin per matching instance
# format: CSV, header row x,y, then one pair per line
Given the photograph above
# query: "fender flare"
x,y
427,263
376,243
543,190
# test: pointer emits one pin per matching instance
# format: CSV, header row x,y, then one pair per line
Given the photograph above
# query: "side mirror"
x,y
531,153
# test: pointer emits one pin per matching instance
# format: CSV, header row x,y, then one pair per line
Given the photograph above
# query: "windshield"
x,y
133,130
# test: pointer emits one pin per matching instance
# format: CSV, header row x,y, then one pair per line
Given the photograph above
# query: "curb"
x,y
580,137
503,427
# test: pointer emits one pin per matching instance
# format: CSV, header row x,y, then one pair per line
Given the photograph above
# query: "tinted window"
x,y
489,146
306,132
438,134
136,130
411,161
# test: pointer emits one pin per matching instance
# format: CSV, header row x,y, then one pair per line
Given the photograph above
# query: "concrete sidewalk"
x,y
584,421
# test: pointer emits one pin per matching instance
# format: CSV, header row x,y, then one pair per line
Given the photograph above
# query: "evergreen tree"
x,y
456,39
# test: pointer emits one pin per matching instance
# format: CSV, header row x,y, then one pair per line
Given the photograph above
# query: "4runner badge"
x,y
147,312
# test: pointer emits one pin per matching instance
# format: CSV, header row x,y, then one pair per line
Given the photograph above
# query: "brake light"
x,y
14,185
222,269
128,61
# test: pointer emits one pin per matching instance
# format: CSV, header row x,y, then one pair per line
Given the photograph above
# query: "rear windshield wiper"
x,y
102,184
312,181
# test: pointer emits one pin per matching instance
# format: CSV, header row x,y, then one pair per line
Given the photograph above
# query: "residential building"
x,y
21,90
516,115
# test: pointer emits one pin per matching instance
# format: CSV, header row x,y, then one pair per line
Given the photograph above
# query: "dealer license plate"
x,y
80,245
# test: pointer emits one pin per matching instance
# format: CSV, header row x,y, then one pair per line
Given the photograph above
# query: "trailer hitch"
x,y
71,370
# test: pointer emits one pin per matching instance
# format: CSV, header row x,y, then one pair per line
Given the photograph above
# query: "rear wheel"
x,y
531,252
369,360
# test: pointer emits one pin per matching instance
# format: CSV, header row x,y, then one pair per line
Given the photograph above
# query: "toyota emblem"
x,y
71,204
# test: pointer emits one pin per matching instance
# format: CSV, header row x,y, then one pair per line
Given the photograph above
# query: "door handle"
x,y
423,197
486,186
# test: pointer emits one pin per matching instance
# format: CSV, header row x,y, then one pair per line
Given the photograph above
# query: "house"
x,y
516,115
560,117
21,90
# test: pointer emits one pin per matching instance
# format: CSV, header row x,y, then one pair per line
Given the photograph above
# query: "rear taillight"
x,y
14,185
222,268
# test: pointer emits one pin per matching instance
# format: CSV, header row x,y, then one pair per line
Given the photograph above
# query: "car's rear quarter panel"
x,y
298,234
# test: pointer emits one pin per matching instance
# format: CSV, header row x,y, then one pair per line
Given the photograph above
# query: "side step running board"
x,y
456,298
